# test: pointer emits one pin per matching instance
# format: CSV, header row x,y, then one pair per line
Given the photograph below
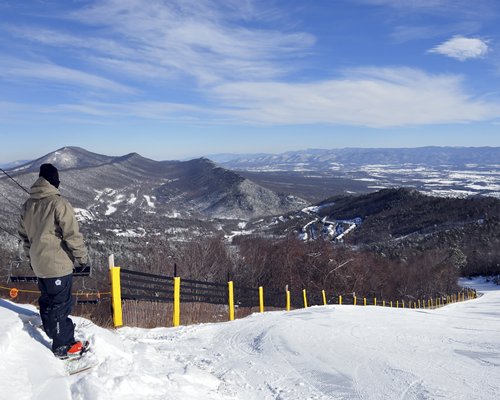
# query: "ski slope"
x,y
333,352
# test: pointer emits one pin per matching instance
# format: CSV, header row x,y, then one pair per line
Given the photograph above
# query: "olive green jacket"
x,y
49,229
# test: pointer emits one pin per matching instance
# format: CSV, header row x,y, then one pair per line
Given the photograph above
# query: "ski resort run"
x,y
328,352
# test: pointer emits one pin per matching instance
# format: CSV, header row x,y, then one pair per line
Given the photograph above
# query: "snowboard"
x,y
76,365
80,362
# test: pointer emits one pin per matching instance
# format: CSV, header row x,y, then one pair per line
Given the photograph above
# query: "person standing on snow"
x,y
52,242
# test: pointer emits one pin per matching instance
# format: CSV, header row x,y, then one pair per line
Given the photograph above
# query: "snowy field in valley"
x,y
333,352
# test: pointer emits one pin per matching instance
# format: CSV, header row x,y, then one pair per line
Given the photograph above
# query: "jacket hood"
x,y
42,188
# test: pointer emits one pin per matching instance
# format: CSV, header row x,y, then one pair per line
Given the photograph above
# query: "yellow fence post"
x,y
355,300
391,303
116,293
397,303
375,301
383,303
324,297
403,303
340,300
230,288
261,299
364,301
288,302
304,294
176,319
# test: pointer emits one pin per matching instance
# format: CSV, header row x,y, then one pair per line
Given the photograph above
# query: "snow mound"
x,y
332,352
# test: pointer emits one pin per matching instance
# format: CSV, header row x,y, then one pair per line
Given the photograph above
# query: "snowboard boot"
x,y
67,351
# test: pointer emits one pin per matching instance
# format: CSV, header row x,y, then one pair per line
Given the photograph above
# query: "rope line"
x,y
74,294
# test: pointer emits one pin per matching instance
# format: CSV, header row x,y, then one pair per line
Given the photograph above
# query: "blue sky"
x,y
183,78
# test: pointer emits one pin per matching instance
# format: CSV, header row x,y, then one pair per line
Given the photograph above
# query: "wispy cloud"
x,y
370,97
45,71
207,40
365,97
462,48
235,66
156,110
204,40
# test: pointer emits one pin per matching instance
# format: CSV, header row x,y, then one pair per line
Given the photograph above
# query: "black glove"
x,y
82,270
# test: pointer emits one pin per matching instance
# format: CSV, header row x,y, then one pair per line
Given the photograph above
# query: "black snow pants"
x,y
55,306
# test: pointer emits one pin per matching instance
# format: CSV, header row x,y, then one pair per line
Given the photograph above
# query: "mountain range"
x,y
325,159
317,173
125,202
132,196
105,185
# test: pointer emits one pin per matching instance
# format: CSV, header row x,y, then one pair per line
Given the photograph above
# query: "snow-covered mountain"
x,y
126,191
66,158
325,159
322,353
14,164
441,171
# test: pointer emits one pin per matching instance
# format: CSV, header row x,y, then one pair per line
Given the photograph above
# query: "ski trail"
x,y
24,344
319,353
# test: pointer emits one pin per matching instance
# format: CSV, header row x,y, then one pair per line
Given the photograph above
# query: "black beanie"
x,y
49,172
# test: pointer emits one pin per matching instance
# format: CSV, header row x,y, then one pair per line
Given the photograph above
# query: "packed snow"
x,y
316,209
137,232
84,215
111,206
149,201
331,352
132,199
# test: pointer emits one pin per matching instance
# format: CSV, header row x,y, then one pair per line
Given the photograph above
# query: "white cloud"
x,y
462,48
237,69
365,97
203,39
371,97
209,41
46,71
155,110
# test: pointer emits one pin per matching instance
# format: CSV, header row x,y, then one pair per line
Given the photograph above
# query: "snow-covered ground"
x,y
333,352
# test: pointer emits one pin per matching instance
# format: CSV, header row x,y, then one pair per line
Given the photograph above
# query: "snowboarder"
x,y
52,242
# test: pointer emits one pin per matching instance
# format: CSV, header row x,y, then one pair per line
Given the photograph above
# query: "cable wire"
x,y
16,182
